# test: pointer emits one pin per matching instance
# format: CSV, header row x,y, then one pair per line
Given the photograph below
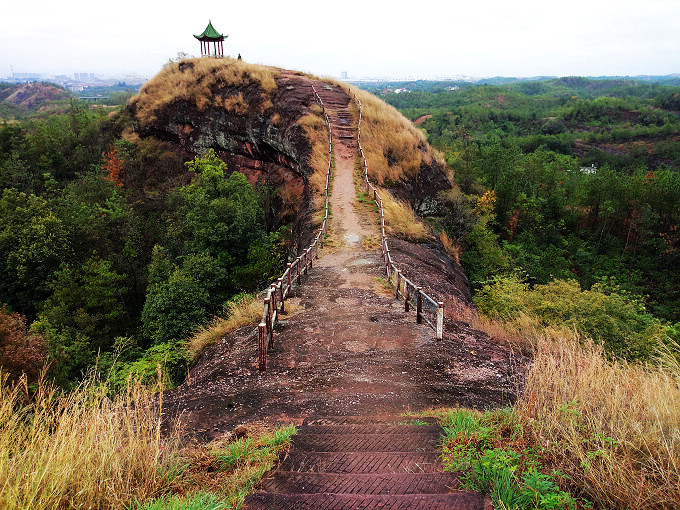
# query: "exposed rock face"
x,y
262,122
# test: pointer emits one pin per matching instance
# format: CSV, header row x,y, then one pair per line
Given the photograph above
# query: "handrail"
x,y
410,293
274,302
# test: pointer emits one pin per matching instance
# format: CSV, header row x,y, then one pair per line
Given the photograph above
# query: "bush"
x,y
614,318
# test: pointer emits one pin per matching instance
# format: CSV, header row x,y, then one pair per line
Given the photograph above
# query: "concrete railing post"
x,y
440,320
419,305
262,346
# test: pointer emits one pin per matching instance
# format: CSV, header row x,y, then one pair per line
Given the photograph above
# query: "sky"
x,y
365,38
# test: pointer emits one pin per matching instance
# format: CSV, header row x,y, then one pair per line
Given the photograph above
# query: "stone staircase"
x,y
347,462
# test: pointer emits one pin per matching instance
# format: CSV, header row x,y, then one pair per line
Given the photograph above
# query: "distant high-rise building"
x,y
343,75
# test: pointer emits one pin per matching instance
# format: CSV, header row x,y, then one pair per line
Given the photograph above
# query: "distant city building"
x,y
343,75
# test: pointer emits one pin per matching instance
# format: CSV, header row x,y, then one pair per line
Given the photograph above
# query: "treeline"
x,y
569,180
112,253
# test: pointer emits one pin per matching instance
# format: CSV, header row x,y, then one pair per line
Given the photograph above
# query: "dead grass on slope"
x,y
193,80
79,450
612,427
247,310
394,147
401,221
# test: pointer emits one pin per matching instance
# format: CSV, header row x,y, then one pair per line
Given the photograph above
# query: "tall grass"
x,y
395,149
193,80
240,312
611,426
79,450
401,221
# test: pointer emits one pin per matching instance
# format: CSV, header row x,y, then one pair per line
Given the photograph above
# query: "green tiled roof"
x,y
210,33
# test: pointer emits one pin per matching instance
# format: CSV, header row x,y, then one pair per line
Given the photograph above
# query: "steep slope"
x,y
264,123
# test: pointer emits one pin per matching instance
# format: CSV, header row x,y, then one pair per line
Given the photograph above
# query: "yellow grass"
x,y
401,221
451,246
239,314
194,79
316,130
81,450
394,147
612,427
235,104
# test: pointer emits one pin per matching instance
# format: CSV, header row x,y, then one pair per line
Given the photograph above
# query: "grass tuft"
x,y
401,221
197,79
243,310
81,449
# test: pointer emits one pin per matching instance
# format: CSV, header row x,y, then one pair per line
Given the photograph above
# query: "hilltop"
x,y
17,100
264,123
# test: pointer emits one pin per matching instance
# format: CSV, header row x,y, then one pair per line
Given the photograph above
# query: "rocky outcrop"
x,y
264,123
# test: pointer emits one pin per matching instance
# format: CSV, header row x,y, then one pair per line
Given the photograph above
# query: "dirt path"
x,y
348,349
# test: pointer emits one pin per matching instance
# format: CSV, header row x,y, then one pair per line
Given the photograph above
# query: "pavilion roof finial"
x,y
210,34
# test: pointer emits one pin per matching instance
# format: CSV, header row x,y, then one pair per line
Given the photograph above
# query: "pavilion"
x,y
210,35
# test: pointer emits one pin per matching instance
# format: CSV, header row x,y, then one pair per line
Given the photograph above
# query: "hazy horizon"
x,y
491,38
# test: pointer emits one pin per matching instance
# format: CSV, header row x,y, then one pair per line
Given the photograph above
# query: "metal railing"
x,y
405,288
274,302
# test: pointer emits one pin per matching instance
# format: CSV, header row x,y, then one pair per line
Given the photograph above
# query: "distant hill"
x,y
20,100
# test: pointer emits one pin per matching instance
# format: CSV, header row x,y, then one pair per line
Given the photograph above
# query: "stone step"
x,y
461,500
370,428
389,419
366,442
362,462
292,482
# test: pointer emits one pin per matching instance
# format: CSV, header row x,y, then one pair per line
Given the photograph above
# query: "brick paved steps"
x,y
362,462
366,442
355,462
462,500
368,420
433,430
287,482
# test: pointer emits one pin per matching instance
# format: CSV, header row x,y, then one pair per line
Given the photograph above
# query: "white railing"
x,y
405,288
274,302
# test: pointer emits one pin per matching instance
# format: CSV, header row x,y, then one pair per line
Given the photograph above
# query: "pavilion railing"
x,y
274,302
405,289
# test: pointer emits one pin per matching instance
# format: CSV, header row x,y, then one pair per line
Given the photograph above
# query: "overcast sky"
x,y
418,38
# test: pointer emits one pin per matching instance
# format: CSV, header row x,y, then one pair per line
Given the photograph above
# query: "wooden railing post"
x,y
407,298
289,278
440,320
419,305
268,322
280,287
310,257
275,304
396,294
297,267
262,346
304,258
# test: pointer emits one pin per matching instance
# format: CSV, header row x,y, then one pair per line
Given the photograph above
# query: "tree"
x,y
33,244
21,352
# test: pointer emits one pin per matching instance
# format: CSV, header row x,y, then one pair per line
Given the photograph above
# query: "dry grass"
x,y
451,246
234,104
194,80
394,147
316,130
81,450
401,221
612,427
238,314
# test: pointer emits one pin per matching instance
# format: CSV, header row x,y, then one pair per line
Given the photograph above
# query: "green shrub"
x,y
612,317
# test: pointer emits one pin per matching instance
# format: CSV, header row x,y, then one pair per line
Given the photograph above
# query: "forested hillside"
x,y
567,180
114,250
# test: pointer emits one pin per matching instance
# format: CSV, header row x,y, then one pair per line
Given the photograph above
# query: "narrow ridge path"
x,y
350,462
344,345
